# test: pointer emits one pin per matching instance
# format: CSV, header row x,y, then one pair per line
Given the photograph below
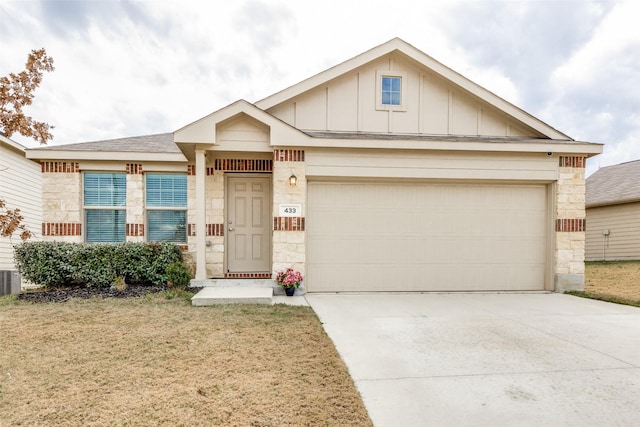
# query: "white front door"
x,y
248,224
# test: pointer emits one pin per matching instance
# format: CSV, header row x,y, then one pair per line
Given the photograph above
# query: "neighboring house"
x,y
613,213
387,172
20,187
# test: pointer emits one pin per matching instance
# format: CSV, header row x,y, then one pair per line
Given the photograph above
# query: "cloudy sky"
x,y
127,68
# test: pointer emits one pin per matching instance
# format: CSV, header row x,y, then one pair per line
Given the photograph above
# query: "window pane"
x,y
391,89
105,189
170,226
105,225
166,190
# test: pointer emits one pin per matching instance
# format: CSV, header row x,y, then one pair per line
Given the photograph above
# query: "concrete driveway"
x,y
488,359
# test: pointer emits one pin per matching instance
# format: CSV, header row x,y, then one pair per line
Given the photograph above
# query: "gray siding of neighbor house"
x,y
622,222
20,187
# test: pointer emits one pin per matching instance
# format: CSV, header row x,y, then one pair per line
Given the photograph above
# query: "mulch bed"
x,y
64,294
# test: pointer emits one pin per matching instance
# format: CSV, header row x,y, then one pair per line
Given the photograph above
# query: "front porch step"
x,y
212,295
254,283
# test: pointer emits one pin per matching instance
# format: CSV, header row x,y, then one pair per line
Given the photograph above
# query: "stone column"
x,y
288,232
570,224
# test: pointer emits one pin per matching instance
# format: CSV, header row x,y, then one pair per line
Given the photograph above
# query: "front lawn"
x,y
155,361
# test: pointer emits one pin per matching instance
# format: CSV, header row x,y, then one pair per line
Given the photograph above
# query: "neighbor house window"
x,y
391,90
105,199
167,207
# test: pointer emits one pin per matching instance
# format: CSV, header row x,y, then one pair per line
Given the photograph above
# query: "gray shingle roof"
x,y
158,143
614,184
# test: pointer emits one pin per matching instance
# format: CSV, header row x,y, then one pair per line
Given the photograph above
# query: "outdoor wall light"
x,y
293,180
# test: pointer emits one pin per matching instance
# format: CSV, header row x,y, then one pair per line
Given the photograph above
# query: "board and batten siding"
x,y
622,223
432,105
20,187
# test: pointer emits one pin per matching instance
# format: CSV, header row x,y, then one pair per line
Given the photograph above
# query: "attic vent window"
x,y
391,90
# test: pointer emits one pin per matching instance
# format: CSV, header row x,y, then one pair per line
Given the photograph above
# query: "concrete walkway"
x,y
488,359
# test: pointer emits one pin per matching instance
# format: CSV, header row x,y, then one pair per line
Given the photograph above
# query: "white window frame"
x,y
402,75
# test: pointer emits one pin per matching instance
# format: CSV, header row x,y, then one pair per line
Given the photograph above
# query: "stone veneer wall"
x,y
62,202
288,233
570,224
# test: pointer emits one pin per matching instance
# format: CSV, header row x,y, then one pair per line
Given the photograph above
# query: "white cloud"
x,y
595,89
126,69
617,33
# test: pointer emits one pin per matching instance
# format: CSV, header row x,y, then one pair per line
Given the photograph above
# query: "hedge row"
x,y
53,264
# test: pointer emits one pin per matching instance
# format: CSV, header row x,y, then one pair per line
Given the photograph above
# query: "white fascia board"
x,y
569,147
125,156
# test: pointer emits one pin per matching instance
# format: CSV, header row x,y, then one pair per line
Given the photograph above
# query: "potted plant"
x,y
289,280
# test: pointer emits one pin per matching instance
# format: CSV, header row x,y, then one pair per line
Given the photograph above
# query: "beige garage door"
x,y
425,237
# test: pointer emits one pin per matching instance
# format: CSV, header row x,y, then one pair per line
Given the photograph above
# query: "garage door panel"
x,y
419,277
422,237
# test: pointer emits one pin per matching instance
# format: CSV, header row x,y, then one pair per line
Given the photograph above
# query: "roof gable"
x,y
464,102
203,131
614,185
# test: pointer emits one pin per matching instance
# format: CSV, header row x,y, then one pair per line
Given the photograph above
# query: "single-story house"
x,y
20,188
613,213
387,172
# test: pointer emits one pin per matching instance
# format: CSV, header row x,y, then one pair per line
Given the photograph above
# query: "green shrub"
x,y
178,275
47,264
52,264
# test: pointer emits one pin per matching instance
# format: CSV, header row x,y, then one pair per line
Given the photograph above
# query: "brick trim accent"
x,y
572,162
215,229
573,224
60,167
191,169
134,169
61,229
247,275
281,223
212,230
136,230
288,155
241,165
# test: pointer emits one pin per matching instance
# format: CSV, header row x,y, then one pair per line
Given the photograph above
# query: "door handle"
x,y
230,228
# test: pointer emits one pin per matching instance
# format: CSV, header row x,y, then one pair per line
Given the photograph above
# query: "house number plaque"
x,y
290,210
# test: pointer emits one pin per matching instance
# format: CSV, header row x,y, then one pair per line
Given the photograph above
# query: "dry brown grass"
x,y
152,361
613,279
